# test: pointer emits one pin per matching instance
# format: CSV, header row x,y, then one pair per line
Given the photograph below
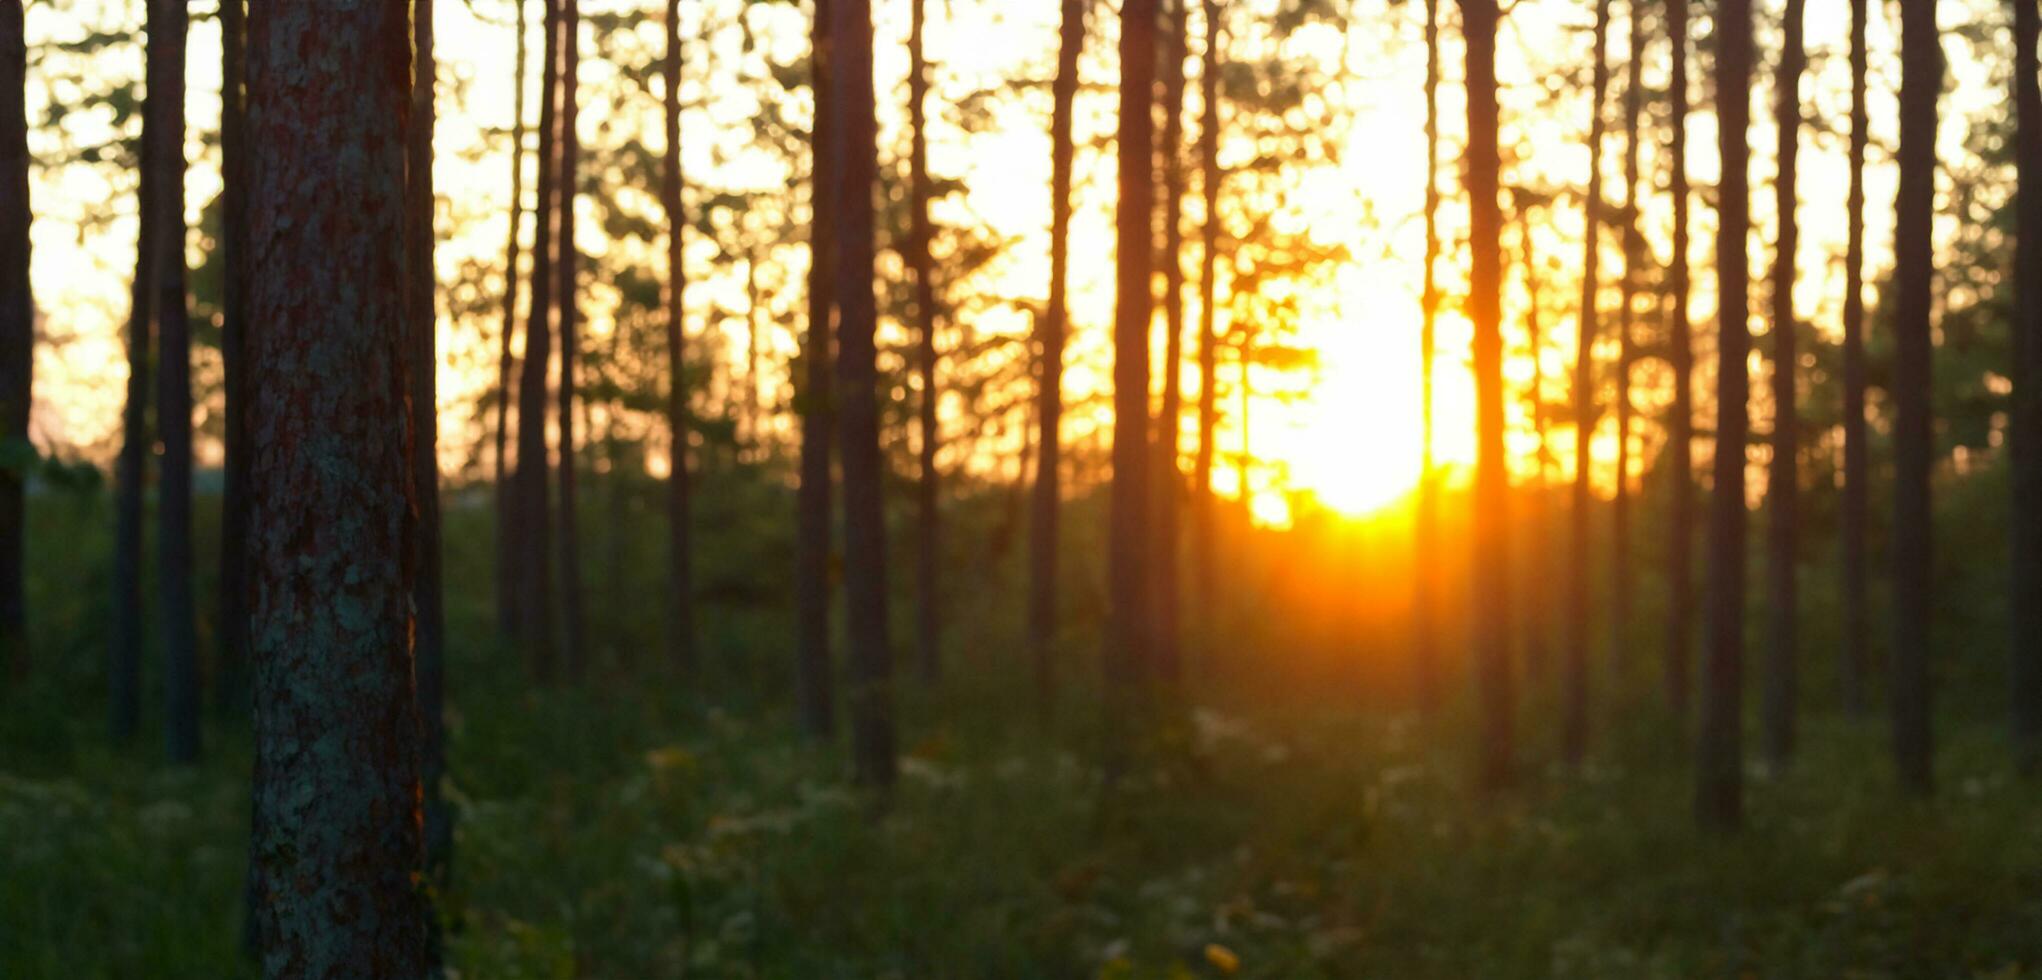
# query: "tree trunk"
x,y
1129,613
927,594
529,491
2025,420
1170,480
1574,722
429,628
1425,620
337,784
856,165
1042,550
231,684
1538,520
1208,320
812,678
1634,257
573,648
1921,80
17,335
168,23
1857,617
681,551
1680,426
1719,756
124,653
506,509
1783,481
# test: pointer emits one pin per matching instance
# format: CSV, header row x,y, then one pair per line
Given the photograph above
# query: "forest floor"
x,y
629,827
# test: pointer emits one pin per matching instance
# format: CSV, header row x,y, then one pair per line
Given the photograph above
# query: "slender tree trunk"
x,y
928,619
337,784
429,625
529,484
1170,480
1857,617
1425,621
1719,756
1634,256
812,676
1539,521
231,681
574,646
1129,612
1208,319
124,654
680,528
17,334
1681,421
1783,482
1043,523
1491,627
2025,442
1921,80
168,23
1574,722
856,164
506,509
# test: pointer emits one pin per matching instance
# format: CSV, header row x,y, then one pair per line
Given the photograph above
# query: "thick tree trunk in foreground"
x,y
1574,721
530,486
1129,613
856,163
573,649
928,620
1491,627
231,685
1425,620
680,547
1783,481
1169,479
506,508
2025,438
1921,81
429,627
1855,662
169,21
1719,756
336,722
1047,497
17,336
812,681
1680,427
1202,544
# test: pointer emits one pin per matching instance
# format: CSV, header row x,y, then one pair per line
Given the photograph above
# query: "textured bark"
x,y
567,263
1783,482
429,628
680,548
1047,497
855,155
1209,180
530,485
1425,621
124,652
928,617
168,23
17,334
1921,80
1170,479
1719,755
1574,720
231,683
1857,618
506,361
812,676
2025,421
1680,427
1620,574
1491,626
336,723
1130,616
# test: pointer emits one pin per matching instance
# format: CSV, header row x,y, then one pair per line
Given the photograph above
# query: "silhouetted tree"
x,y
230,689
817,403
1574,722
337,788
534,560
1208,309
1855,658
1783,482
2024,601
1129,613
681,551
17,338
573,649
429,622
124,653
855,166
1491,626
1680,426
168,23
1043,522
506,510
1627,311
1425,527
1921,81
920,263
1719,756
1169,479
